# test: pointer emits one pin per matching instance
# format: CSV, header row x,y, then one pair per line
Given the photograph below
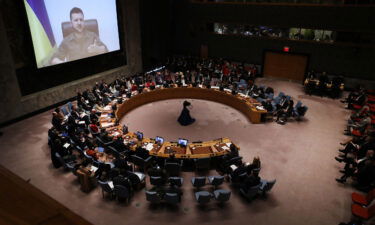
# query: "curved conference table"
x,y
246,105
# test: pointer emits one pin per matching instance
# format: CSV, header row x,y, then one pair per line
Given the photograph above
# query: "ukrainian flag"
x,y
41,30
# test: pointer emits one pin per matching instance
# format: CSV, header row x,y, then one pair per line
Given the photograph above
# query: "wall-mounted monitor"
x,y
69,30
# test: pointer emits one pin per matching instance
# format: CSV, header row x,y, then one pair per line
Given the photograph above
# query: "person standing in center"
x,y
185,119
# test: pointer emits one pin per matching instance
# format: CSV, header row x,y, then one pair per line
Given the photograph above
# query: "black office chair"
x,y
198,182
137,179
222,195
202,163
91,25
122,193
106,188
143,164
153,197
172,198
203,197
172,169
156,181
176,181
215,180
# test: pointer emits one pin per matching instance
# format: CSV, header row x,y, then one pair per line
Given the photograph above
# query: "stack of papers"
x,y
105,125
149,146
66,145
110,184
104,115
93,169
107,108
225,148
233,167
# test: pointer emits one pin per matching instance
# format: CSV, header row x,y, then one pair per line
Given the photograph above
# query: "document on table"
x,y
149,146
233,167
93,169
105,125
66,145
110,183
225,148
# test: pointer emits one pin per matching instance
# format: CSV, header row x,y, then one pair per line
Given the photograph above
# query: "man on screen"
x,y
79,44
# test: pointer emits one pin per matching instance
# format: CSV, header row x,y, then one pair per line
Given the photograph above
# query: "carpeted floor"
x,y
300,155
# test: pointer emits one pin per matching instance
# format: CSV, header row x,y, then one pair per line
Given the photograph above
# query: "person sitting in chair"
x,y
79,44
185,119
252,180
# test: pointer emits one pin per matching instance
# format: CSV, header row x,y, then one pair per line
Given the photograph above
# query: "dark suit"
x,y
124,181
141,152
251,181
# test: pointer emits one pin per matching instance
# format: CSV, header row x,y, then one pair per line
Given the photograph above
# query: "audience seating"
x,y
67,165
198,182
203,197
172,169
143,164
156,181
222,195
122,193
202,163
251,193
266,186
176,181
94,134
363,212
153,197
64,110
215,180
137,179
172,198
103,144
363,199
106,188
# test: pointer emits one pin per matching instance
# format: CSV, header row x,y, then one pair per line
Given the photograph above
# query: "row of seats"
x,y
361,204
281,105
358,153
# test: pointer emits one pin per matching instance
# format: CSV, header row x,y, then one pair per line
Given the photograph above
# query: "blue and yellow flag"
x,y
41,30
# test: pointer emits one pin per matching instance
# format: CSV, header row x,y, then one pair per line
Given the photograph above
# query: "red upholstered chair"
x,y
363,199
372,108
363,212
371,98
357,107
357,133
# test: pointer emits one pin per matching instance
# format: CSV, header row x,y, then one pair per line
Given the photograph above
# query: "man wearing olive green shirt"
x,y
79,44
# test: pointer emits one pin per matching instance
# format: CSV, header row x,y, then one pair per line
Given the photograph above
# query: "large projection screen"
x,y
69,30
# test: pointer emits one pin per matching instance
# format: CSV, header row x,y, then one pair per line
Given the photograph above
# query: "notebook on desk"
x,y
110,184
233,167
66,145
93,169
